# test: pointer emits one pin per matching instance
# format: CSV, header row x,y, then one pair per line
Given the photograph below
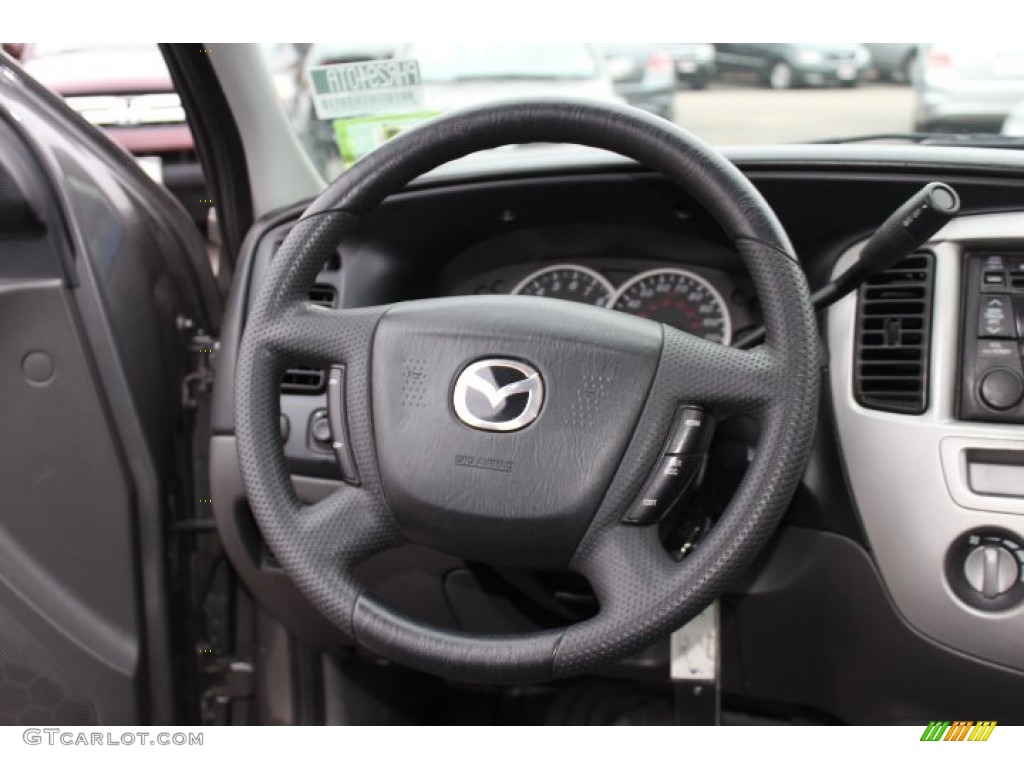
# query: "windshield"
x,y
441,63
42,50
345,99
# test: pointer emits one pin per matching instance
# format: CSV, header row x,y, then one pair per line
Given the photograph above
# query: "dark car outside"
x,y
694,63
643,74
893,62
790,65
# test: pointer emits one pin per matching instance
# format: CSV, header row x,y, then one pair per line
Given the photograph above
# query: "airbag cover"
x,y
520,497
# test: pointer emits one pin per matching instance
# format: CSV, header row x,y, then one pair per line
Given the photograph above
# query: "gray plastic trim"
x,y
894,463
279,170
954,465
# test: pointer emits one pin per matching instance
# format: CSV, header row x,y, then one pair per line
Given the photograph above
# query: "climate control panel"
x,y
985,568
992,372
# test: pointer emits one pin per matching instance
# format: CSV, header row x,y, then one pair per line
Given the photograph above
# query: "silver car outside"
x,y
967,87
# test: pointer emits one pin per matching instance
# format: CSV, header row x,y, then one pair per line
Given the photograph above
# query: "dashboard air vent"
x,y
893,333
324,295
305,380
302,381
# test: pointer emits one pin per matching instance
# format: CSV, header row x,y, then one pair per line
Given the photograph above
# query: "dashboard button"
x,y
1001,388
670,480
692,431
320,428
996,318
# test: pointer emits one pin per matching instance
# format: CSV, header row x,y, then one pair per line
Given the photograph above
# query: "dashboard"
x,y
871,558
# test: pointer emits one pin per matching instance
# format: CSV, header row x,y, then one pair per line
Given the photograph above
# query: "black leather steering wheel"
x,y
553,492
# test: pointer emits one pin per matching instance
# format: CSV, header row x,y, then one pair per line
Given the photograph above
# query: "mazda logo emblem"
x,y
498,395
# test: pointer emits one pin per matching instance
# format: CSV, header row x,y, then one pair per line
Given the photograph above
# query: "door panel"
x,y
102,280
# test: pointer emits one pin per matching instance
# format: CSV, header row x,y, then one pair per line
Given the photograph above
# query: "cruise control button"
x,y
338,426
996,318
670,480
692,431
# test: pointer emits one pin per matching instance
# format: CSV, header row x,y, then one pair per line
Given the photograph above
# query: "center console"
x,y
938,475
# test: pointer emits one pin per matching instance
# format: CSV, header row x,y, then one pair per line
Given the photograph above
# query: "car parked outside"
x,y
643,74
1014,123
893,62
459,75
967,87
790,65
126,90
694,63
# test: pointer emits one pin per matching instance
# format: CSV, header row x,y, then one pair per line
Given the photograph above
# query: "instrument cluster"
x,y
683,298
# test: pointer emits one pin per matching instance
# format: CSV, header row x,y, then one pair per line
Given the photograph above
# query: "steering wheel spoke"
x,y
313,335
348,526
334,535
723,379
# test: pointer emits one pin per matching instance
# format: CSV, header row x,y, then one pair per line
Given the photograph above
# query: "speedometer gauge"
x,y
567,281
677,298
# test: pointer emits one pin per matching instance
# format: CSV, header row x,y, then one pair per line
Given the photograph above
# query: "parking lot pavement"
x,y
728,113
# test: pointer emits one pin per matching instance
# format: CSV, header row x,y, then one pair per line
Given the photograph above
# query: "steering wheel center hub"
x,y
498,395
499,421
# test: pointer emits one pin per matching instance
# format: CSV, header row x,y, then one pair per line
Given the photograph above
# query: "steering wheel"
x,y
520,431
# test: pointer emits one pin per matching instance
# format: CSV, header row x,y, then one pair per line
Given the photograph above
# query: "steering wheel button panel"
x,y
673,477
338,426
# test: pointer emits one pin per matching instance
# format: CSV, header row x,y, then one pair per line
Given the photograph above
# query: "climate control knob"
x,y
985,568
991,569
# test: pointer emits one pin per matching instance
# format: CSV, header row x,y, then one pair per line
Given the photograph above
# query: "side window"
x,y
126,90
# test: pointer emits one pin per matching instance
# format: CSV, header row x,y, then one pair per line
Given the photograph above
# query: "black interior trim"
x,y
217,141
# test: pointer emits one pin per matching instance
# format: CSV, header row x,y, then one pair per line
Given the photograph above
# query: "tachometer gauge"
x,y
569,282
678,298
